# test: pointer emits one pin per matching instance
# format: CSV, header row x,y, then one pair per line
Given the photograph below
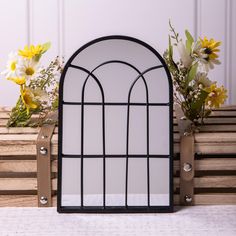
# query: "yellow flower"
x,y
210,48
30,52
216,96
28,99
18,80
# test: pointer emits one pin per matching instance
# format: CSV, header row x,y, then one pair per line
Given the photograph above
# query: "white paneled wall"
x,y
68,24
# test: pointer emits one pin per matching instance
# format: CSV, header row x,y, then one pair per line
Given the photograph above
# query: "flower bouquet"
x,y
194,92
38,86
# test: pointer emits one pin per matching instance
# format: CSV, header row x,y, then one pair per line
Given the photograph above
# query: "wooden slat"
x,y
216,120
8,139
22,130
211,199
10,150
211,182
20,166
5,109
215,199
220,113
214,137
8,184
215,148
200,199
4,115
3,122
212,164
21,201
27,147
217,128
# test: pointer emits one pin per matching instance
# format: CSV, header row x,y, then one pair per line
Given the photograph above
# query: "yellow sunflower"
x,y
210,48
216,96
28,99
31,51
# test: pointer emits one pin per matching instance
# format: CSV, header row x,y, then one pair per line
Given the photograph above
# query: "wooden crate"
x,y
215,162
18,164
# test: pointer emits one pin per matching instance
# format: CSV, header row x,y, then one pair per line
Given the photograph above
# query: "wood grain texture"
x,y
21,201
211,199
25,184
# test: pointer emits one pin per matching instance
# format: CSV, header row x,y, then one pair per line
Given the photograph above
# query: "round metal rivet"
x,y
43,200
187,167
43,150
186,134
44,136
188,198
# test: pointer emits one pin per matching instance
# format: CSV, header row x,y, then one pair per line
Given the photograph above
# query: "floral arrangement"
x,y
38,86
195,93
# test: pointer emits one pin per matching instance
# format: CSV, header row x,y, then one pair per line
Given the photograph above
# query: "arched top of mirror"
x,y
117,60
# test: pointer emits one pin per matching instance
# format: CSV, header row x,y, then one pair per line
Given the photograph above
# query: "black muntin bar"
x,y
114,156
114,104
82,133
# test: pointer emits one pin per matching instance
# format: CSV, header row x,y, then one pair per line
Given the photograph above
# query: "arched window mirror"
x,y
115,129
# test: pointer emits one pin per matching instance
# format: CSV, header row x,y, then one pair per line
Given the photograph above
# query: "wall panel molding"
x,y
68,24
228,48
61,28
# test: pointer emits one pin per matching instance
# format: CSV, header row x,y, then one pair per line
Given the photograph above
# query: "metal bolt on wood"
x,y
43,150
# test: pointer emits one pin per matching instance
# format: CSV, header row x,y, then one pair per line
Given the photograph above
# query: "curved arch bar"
x,y
141,75
82,131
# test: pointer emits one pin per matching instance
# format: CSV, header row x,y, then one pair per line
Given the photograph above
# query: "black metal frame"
x,y
125,208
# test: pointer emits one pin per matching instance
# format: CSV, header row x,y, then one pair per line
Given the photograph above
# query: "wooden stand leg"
x,y
44,166
187,170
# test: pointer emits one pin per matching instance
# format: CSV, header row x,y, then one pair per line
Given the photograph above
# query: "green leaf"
x,y
46,46
189,41
191,74
37,57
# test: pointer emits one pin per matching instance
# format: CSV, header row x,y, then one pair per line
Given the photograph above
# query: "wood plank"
x,y
203,148
8,184
23,150
22,201
223,113
200,199
18,184
214,137
211,182
20,166
215,148
19,139
5,109
216,120
3,122
211,199
215,199
22,130
211,164
4,115
216,128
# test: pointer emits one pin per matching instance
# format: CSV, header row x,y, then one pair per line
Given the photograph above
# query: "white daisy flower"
x,y
184,55
202,79
12,66
28,68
